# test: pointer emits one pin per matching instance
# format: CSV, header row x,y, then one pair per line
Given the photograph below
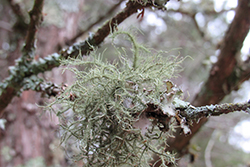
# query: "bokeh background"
x,y
189,28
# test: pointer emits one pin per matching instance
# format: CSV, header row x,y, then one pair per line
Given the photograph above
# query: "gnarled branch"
x,y
12,85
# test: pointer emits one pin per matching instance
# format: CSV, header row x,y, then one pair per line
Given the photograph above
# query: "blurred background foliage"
x,y
192,28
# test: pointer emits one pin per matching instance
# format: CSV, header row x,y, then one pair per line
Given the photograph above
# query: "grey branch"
x,y
195,113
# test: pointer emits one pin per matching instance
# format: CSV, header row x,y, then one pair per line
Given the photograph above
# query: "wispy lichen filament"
x,y
110,99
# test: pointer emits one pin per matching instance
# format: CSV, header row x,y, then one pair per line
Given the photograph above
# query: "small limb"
x,y
111,25
196,113
99,20
141,14
209,148
20,25
36,18
47,89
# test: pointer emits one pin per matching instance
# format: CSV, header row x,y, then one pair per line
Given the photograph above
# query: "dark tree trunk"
x,y
29,132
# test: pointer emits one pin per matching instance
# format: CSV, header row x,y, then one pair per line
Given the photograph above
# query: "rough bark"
x,y
222,79
218,85
27,135
73,51
29,132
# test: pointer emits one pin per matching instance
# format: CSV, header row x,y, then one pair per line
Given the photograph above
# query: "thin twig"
x,y
100,19
196,113
35,21
213,91
87,46
20,24
192,16
12,85
208,149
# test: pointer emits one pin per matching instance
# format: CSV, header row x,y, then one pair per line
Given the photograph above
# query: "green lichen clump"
x,y
100,109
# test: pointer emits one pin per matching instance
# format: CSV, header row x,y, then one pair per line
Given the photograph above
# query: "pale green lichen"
x,y
178,103
109,99
25,72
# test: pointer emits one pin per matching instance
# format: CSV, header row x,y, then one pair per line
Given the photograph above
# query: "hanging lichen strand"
x,y
103,112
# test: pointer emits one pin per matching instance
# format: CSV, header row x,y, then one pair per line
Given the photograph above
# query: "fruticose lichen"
x,y
101,110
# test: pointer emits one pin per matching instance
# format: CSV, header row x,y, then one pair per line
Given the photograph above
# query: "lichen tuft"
x,y
109,100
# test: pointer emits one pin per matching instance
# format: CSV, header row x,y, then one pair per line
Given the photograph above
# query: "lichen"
x,y
110,98
25,72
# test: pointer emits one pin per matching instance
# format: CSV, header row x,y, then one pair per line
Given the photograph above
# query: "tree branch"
x,y
48,89
185,115
36,18
193,13
12,85
223,68
192,16
213,90
101,18
196,113
20,24
87,46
